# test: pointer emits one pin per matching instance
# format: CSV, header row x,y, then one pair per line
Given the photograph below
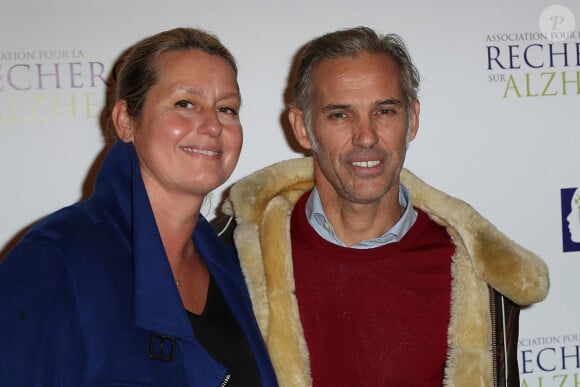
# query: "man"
x,y
360,273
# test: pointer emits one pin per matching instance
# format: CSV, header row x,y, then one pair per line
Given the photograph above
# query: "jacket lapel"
x,y
158,307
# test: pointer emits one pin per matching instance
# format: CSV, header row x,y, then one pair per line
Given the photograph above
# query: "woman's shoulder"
x,y
69,234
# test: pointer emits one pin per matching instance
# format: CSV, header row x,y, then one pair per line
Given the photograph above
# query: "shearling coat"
x,y
487,268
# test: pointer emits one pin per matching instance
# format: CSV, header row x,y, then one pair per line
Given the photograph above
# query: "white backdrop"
x,y
500,95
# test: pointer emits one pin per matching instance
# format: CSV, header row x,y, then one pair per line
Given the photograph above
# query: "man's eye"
x,y
385,111
184,104
338,115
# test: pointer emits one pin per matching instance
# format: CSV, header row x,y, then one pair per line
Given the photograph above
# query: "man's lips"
x,y
366,164
364,158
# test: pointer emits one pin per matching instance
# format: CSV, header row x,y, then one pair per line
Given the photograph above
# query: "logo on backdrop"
x,y
549,361
541,63
570,218
49,85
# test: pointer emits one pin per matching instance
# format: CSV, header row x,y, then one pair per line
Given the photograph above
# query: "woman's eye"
x,y
184,104
228,110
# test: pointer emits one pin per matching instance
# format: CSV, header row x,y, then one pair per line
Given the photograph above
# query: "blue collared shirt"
x,y
317,219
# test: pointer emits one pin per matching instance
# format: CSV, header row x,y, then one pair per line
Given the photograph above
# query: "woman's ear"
x,y
124,124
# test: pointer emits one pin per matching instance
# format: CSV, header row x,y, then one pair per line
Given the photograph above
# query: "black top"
x,y
219,333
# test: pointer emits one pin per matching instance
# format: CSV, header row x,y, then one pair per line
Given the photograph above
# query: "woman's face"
x,y
188,137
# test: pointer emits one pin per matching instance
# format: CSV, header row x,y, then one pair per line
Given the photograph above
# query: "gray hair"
x,y
350,43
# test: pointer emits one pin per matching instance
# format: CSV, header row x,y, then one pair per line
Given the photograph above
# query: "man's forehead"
x,y
369,80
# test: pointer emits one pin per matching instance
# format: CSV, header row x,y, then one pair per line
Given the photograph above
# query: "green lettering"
x,y
544,92
90,103
35,113
577,82
72,105
528,87
564,378
511,84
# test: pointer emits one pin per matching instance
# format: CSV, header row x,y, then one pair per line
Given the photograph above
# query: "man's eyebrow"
x,y
338,106
335,106
388,101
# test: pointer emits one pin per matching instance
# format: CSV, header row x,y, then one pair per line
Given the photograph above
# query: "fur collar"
x,y
262,204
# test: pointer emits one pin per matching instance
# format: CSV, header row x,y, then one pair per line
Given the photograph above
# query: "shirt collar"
x,y
317,219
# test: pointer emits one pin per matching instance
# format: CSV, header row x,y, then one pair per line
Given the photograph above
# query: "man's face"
x,y
360,124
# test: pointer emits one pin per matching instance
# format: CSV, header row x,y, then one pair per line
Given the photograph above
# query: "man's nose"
x,y
365,134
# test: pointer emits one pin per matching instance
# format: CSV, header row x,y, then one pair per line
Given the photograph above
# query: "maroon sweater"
x,y
374,317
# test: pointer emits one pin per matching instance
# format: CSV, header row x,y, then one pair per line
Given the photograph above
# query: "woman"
x,y
132,287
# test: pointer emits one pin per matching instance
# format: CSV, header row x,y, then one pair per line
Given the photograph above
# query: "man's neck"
x,y
355,222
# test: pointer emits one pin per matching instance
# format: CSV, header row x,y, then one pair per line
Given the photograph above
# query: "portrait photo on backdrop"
x,y
360,273
573,217
570,202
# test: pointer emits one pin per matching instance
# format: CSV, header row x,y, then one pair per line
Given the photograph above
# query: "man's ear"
x,y
296,118
414,121
124,124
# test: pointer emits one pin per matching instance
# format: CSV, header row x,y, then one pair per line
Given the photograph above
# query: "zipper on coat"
x,y
226,380
504,343
493,337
